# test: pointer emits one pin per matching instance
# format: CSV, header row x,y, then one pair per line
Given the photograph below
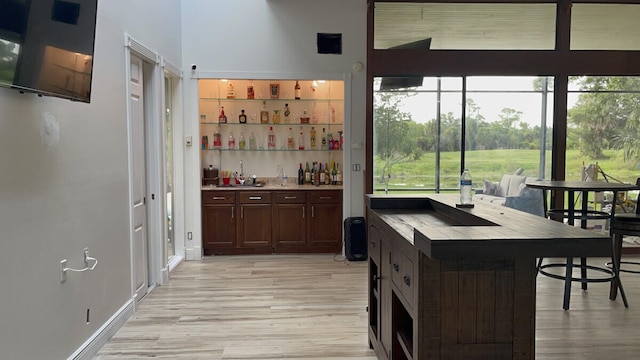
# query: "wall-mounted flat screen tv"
x,y
46,46
404,82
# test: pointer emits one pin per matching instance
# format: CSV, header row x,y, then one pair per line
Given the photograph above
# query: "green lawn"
x,y
492,164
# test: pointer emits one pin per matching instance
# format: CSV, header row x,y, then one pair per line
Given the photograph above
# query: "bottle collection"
x,y
292,141
320,174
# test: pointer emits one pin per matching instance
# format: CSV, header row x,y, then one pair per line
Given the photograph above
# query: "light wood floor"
x,y
314,307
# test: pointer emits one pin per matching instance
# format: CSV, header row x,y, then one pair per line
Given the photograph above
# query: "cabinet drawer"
x,y
291,197
320,196
218,197
402,274
254,197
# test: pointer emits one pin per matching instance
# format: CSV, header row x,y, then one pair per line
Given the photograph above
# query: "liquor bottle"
x,y
307,174
300,175
276,117
304,118
313,173
232,141
290,141
264,113
301,140
331,144
316,175
222,119
242,144
340,141
242,118
205,142
252,142
296,90
321,175
250,92
323,141
312,139
217,138
327,174
338,175
271,139
231,92
334,173
287,114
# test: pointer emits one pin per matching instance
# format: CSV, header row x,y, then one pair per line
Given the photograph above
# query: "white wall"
x,y
58,199
253,38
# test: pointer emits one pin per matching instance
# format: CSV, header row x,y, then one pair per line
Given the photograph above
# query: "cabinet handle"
x,y
407,280
313,214
290,197
303,215
241,212
233,210
326,197
396,267
373,243
376,277
255,197
219,198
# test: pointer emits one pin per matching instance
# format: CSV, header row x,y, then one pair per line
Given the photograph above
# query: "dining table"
x,y
582,214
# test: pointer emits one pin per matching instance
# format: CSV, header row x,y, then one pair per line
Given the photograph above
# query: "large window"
x,y
493,125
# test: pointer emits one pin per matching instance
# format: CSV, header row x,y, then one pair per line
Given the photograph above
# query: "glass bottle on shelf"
x,y
340,141
271,139
250,92
217,138
242,118
264,113
222,118
330,141
307,174
304,118
300,175
232,141
312,139
338,175
276,117
287,114
252,142
296,90
301,140
231,92
290,141
321,176
242,144
334,173
323,141
327,174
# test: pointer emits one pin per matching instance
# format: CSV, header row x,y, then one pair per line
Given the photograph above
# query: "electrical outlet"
x,y
86,256
63,271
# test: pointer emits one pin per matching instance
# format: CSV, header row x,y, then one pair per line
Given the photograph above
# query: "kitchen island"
x,y
454,283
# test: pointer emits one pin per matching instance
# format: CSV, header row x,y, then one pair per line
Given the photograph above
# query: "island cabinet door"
x,y
290,221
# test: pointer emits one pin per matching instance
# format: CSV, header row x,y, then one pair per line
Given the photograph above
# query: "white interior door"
x,y
139,211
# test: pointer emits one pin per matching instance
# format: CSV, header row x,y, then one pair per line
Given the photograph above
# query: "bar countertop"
x,y
440,230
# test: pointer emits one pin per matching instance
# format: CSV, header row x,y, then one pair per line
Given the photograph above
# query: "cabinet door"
x,y
218,228
290,226
255,225
326,226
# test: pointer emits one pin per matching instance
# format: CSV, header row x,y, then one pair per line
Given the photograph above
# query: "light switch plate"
x,y
189,140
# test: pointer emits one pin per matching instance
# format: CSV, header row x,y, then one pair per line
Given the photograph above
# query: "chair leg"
x,y
615,261
567,283
583,272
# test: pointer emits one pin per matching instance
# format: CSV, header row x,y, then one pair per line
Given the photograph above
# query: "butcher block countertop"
x,y
440,230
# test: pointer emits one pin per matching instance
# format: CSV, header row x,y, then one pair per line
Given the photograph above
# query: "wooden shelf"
x,y
405,343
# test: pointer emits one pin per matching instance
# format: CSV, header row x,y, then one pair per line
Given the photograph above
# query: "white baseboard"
x,y
194,253
104,333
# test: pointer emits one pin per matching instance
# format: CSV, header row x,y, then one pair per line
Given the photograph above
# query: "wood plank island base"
x,y
452,283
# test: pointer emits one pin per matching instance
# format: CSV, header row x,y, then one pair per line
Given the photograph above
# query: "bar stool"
x,y
611,274
623,224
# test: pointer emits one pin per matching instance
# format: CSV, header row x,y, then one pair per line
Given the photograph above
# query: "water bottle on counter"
x,y
465,188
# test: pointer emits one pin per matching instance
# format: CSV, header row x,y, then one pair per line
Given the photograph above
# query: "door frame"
x,y
154,166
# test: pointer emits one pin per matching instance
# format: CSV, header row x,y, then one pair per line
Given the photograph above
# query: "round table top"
x,y
580,185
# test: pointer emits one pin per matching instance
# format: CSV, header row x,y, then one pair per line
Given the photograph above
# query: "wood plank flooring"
x,y
314,307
